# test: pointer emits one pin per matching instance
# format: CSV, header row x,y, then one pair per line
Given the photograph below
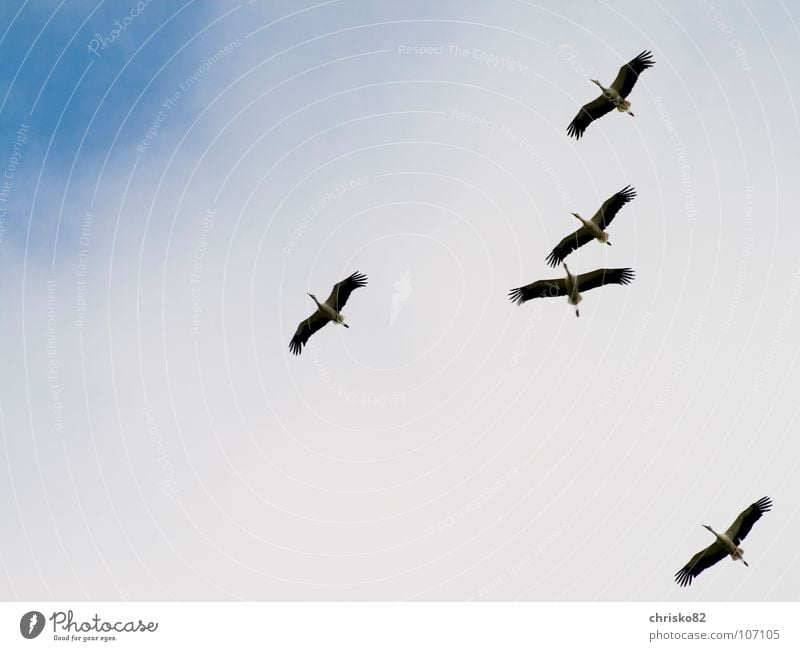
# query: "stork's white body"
x,y
615,98
573,295
596,232
728,545
328,311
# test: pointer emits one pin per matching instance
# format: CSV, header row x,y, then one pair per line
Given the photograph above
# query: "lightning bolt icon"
x,y
32,622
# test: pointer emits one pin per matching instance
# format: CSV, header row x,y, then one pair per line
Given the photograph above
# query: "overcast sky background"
x,y
173,190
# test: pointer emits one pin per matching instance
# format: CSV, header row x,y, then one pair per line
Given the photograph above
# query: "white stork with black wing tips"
x,y
612,97
726,544
594,229
571,286
328,311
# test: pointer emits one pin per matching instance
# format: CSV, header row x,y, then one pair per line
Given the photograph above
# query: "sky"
x,y
178,176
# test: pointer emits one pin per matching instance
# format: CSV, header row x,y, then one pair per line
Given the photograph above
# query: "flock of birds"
x,y
571,286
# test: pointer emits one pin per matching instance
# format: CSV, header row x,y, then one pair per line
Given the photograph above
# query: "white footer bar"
x,y
406,626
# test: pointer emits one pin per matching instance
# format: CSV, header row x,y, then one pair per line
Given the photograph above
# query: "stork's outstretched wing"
x,y
568,245
714,553
600,277
629,73
539,289
747,518
588,113
304,331
341,291
612,205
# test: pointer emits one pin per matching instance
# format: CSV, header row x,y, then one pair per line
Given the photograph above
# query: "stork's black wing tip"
x,y
358,279
764,504
645,57
516,296
683,577
574,131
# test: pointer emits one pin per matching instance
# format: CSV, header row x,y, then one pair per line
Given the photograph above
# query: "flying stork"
x,y
725,544
571,286
612,97
594,229
328,311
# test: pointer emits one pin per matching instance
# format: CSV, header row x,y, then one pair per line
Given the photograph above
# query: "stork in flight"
x,y
328,311
594,229
571,286
612,97
726,544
